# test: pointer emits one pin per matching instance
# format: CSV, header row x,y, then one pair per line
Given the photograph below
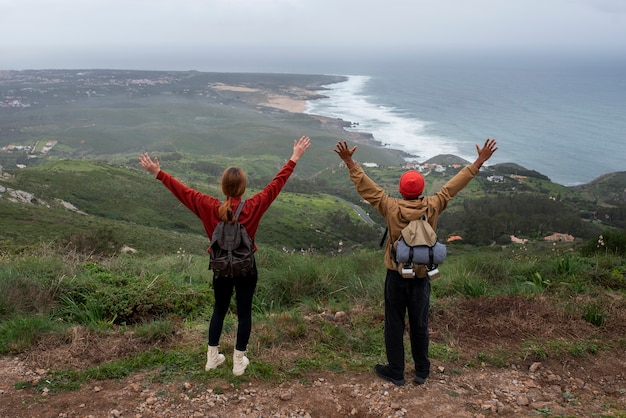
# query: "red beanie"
x,y
411,184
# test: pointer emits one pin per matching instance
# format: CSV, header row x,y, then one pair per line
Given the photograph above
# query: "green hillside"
x,y
131,203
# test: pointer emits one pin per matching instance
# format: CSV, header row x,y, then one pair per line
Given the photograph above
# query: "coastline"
x,y
296,102
299,105
294,99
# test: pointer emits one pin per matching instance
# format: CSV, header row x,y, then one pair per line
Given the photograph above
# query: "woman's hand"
x,y
147,163
299,148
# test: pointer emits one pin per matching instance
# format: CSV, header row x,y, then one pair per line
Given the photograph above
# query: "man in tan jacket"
x,y
404,295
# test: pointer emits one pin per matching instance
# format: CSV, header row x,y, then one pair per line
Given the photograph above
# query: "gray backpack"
x,y
231,249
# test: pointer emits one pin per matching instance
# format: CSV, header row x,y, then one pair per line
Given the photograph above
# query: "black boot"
x,y
384,373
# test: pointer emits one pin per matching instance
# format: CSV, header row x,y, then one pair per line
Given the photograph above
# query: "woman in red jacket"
x,y
211,211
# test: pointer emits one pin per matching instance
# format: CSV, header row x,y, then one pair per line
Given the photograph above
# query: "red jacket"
x,y
206,207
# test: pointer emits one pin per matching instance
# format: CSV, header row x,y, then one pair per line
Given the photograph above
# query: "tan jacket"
x,y
399,212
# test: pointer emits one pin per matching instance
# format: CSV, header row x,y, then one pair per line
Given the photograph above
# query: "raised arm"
x,y
485,152
299,148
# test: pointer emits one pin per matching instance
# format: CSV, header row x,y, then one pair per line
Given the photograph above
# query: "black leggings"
x,y
244,291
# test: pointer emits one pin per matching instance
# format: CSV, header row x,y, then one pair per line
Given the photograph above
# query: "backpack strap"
x,y
238,211
431,256
384,238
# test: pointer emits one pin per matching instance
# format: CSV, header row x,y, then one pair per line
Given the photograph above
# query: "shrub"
x,y
155,331
19,333
98,242
594,314
102,295
609,242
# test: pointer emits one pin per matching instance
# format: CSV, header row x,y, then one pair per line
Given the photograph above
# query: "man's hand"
x,y
485,152
345,153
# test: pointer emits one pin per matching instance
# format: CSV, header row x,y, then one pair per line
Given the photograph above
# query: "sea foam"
x,y
393,128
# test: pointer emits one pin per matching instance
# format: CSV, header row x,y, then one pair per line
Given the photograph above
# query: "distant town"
x,y
38,149
28,89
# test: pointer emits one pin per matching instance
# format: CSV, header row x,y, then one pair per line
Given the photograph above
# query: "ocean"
x,y
564,118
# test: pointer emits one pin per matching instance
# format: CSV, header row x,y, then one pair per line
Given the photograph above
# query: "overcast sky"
x,y
87,33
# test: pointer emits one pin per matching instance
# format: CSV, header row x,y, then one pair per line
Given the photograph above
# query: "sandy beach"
x,y
286,103
294,101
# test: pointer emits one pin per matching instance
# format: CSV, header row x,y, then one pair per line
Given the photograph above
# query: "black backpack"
x,y
231,250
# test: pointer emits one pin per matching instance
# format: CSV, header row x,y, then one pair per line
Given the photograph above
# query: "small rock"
x,y
556,389
541,405
340,316
553,377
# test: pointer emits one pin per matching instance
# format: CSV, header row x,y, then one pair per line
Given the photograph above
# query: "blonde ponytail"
x,y
225,211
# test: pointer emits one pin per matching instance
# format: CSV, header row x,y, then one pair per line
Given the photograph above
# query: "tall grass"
x,y
291,279
47,289
528,270
18,333
132,288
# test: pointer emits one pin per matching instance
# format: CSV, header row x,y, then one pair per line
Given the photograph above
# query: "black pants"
x,y
223,288
402,295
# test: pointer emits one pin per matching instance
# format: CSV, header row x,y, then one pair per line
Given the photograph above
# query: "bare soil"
x,y
567,383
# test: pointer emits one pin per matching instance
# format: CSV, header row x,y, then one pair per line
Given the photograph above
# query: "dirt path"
x,y
594,386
